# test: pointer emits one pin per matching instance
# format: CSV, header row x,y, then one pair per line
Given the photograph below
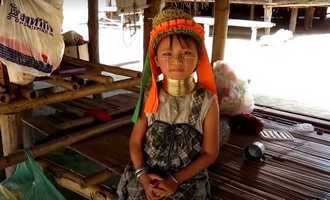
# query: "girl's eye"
x,y
167,54
188,53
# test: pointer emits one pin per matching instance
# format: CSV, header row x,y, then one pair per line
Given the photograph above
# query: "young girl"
x,y
176,137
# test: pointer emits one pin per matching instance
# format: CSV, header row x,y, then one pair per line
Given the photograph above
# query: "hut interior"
x,y
81,140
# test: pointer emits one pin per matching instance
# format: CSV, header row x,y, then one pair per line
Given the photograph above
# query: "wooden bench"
x,y
254,25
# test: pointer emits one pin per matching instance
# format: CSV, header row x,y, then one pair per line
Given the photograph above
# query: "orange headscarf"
x,y
168,25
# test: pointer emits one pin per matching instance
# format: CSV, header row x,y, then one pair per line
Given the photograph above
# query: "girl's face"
x,y
177,56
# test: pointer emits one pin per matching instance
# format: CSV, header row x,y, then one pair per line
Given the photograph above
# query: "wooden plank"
x,y
109,150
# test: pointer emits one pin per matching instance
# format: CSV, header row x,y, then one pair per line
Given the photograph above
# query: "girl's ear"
x,y
156,61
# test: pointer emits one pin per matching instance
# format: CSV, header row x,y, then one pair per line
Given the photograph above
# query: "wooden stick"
x,y
59,81
45,148
101,67
11,128
96,77
96,178
21,105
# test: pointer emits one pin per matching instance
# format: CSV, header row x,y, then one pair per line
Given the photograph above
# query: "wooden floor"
x,y
299,169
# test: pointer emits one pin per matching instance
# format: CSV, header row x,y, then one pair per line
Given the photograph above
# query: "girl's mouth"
x,y
177,70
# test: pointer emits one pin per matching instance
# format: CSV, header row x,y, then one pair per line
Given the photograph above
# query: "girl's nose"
x,y
179,58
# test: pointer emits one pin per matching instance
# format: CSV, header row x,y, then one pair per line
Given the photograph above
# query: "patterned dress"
x,y
173,140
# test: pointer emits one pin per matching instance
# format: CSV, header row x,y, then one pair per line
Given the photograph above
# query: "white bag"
x,y
31,43
234,93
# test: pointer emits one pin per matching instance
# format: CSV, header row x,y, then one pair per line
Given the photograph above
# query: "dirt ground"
x,y
292,75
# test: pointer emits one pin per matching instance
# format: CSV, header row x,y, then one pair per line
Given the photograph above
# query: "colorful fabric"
x,y
168,22
167,149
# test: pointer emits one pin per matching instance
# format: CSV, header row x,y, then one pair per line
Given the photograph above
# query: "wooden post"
x,y
309,15
221,16
93,31
11,136
149,13
268,17
252,12
293,19
323,13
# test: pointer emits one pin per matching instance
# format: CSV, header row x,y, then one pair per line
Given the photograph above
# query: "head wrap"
x,y
169,22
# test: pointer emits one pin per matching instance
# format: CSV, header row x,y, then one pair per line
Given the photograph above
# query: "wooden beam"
x,y
20,105
149,14
61,142
293,19
11,129
221,16
93,31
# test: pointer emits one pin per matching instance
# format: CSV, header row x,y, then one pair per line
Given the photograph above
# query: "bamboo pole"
x,y
5,98
59,81
29,93
101,67
93,31
66,95
221,16
72,182
96,77
67,140
96,178
11,128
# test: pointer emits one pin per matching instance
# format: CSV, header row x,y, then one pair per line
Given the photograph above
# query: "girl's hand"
x,y
168,185
150,182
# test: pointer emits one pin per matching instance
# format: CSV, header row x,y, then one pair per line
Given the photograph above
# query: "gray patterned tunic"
x,y
173,140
